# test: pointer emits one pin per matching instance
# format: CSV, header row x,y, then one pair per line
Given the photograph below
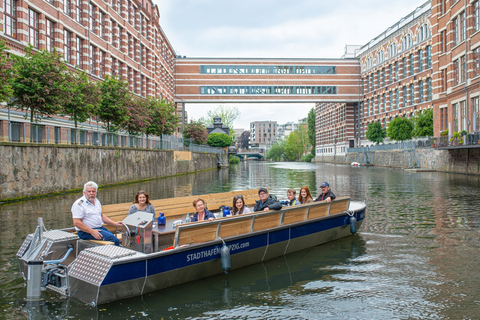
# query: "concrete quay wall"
x,y
30,170
465,161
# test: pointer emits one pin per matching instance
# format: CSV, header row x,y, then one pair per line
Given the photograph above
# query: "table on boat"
x,y
164,234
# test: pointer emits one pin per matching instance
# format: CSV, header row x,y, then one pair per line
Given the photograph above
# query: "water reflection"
x,y
416,255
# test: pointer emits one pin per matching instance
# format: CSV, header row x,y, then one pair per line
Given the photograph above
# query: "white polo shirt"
x,y
91,214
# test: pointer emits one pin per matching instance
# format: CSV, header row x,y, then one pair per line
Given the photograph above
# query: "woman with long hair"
x,y
305,195
142,203
239,206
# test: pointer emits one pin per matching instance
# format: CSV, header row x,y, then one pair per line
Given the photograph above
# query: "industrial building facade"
x,y
121,38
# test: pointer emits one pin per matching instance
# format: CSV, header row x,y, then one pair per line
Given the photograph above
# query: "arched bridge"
x,y
243,155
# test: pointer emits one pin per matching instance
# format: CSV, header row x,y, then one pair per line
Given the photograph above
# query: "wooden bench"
x,y
202,231
173,207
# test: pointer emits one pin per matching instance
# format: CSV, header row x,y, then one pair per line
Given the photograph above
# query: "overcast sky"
x,y
274,29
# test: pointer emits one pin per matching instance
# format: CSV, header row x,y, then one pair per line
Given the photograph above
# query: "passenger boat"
x,y
157,257
355,164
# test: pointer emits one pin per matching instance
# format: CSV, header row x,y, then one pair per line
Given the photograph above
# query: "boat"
x,y
154,257
355,164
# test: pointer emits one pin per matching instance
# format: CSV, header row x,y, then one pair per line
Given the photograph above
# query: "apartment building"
x,y
262,134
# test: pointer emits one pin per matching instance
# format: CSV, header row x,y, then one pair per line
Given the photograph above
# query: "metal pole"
x,y
9,125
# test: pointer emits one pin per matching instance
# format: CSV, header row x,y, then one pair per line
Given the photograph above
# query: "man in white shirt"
x,y
88,218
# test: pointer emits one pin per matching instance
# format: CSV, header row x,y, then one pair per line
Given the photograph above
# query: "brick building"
x,y
121,38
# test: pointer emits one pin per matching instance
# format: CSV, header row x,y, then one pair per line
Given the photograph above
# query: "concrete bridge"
x,y
243,155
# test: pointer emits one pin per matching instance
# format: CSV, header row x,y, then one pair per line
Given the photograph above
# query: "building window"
x,y
10,7
396,71
428,57
459,28
406,42
411,64
91,58
443,119
102,24
101,61
114,5
78,11
378,79
420,60
390,74
383,77
444,79
462,71
404,96
33,29
80,52
67,8
412,95
397,98
67,46
49,35
390,101
420,91
476,16
392,50
91,16
476,114
423,33
404,67
429,89
476,62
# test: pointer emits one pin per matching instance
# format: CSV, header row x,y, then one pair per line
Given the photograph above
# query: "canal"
x,y
416,256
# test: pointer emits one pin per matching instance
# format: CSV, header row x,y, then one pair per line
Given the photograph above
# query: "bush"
x,y
233,159
220,140
308,157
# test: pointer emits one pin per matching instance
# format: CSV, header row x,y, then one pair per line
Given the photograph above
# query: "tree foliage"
x,y
311,129
376,133
137,116
7,73
220,140
196,130
297,143
84,98
41,85
112,109
400,129
245,139
423,124
228,115
276,151
163,117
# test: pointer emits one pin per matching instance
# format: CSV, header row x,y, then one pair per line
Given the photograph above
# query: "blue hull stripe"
x,y
134,270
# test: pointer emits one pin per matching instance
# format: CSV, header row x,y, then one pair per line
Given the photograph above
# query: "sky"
x,y
274,29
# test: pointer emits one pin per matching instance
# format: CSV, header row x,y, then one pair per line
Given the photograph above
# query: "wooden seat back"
x,y
339,205
181,205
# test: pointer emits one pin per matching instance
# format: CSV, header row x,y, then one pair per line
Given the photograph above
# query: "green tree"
x,y
311,129
376,133
41,85
196,130
137,120
276,151
245,139
400,129
112,110
7,73
228,115
163,118
297,143
423,124
220,140
84,98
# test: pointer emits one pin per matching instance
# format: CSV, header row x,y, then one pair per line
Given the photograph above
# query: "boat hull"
x,y
138,274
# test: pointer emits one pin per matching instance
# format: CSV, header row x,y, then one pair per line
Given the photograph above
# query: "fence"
x,y
39,133
470,139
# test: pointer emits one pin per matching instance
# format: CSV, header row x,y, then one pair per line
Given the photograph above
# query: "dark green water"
x,y
416,256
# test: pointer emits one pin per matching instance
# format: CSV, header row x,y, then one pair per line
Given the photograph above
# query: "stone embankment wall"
x,y
29,170
455,160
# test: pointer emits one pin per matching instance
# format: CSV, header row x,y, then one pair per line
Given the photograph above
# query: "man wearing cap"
x,y
327,194
266,202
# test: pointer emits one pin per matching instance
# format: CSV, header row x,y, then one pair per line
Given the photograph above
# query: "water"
x,y
415,257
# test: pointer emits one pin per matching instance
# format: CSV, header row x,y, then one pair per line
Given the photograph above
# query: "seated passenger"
x,y
202,213
305,195
292,200
266,202
142,203
327,194
239,206
88,218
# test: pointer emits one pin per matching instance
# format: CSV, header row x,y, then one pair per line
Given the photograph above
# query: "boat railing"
x,y
203,231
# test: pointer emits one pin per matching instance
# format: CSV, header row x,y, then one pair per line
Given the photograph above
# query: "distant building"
x,y
285,129
262,134
218,127
236,137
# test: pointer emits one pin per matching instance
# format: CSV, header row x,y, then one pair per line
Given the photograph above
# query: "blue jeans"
x,y
106,235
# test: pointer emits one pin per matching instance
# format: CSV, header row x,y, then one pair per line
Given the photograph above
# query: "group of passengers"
x,y
88,218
